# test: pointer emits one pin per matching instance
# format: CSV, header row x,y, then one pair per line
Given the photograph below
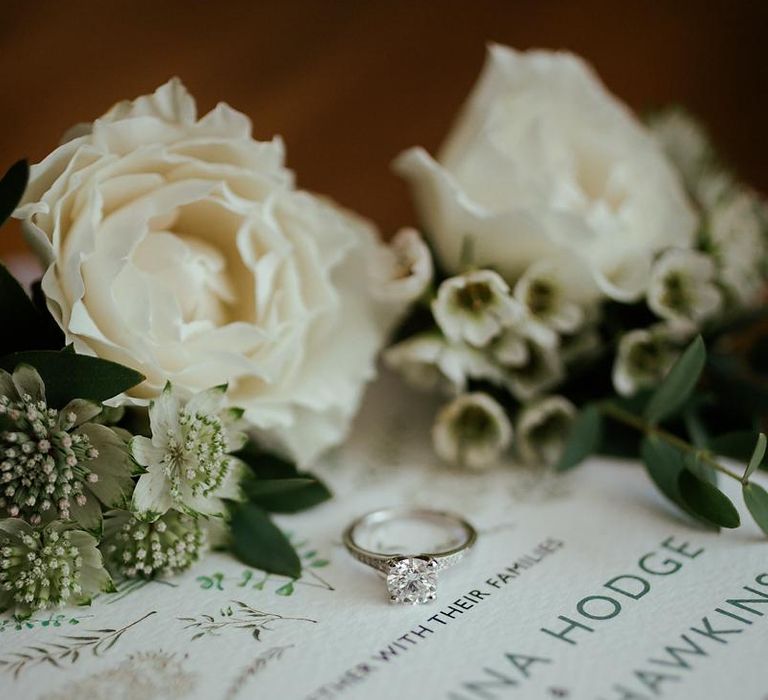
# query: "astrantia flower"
x,y
428,361
169,545
53,463
682,287
48,567
643,359
472,431
403,269
474,307
542,429
189,467
737,239
546,299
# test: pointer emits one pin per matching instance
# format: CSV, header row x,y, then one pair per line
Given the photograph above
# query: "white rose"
x,y
180,246
544,163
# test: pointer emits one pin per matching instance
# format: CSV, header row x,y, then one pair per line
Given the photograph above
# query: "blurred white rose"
x,y
545,164
180,246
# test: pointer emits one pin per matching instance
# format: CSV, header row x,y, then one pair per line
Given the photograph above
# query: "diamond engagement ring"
x,y
411,578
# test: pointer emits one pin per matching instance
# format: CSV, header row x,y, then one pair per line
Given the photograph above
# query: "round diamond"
x,y
412,580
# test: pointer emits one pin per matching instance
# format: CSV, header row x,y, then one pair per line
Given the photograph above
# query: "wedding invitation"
x,y
585,586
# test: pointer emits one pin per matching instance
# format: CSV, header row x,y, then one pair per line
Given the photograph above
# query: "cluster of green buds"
x,y
47,567
135,548
43,464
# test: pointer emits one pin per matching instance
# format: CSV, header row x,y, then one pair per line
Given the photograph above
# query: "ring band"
x,y
411,578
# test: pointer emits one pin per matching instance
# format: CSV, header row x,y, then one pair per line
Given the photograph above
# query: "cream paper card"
x,y
583,587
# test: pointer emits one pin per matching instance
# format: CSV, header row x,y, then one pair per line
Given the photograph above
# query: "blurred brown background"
x,y
351,83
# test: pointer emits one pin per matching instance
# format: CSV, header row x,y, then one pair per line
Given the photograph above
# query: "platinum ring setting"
x,y
411,577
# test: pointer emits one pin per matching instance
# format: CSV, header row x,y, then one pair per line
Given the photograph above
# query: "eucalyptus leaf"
x,y
69,376
258,542
737,445
664,465
757,457
584,438
679,383
756,500
12,188
706,500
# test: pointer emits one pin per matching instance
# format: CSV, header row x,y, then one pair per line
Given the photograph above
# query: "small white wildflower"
x,y
542,429
583,344
429,362
472,431
531,362
48,567
685,142
682,287
713,187
169,545
643,359
541,291
403,270
474,307
737,238
188,460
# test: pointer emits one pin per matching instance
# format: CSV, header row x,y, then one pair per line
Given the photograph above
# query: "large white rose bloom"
x,y
545,164
180,247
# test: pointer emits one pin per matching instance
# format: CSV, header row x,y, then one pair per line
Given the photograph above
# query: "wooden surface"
x,y
351,83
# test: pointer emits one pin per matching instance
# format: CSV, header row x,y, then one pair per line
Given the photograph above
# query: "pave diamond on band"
x,y
411,578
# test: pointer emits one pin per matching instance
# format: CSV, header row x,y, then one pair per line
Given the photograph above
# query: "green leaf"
x,y
756,500
18,316
258,542
12,188
757,457
584,438
739,444
51,335
294,500
256,488
677,386
266,466
664,464
69,376
706,500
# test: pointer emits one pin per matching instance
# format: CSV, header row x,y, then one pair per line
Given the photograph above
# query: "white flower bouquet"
x,y
202,331
583,257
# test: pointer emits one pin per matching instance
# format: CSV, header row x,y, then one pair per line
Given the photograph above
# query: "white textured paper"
x,y
546,549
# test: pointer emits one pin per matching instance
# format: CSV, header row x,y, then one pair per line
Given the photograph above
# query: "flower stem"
x,y
633,421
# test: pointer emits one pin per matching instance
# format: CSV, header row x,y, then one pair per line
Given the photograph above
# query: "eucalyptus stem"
x,y
633,421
